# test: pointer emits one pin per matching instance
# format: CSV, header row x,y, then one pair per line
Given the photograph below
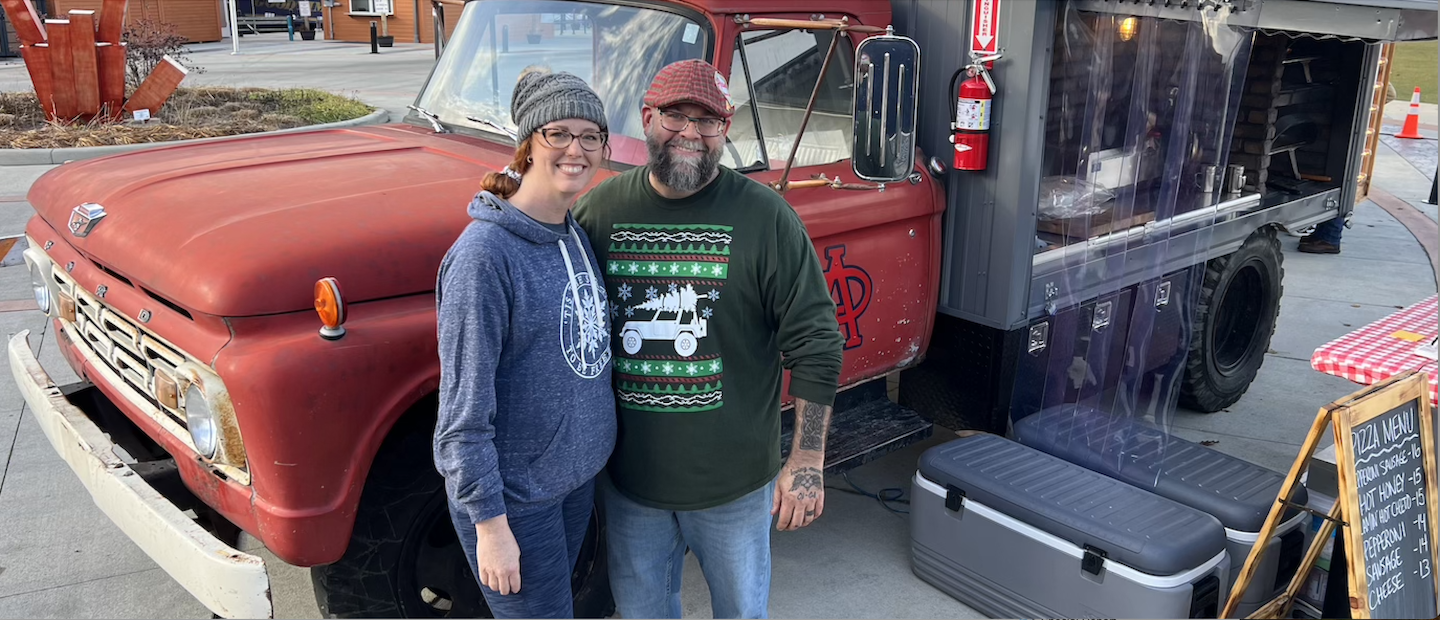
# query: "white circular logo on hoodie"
x,y
584,335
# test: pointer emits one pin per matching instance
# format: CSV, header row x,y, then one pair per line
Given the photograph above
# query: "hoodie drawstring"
x,y
575,292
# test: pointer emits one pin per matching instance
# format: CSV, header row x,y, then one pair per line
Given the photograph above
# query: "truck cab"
x,y
1098,259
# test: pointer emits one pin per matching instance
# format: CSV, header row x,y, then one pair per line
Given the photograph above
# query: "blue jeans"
x,y
549,540
1329,230
647,554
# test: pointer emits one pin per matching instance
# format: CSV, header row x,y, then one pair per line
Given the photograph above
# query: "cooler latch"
x,y
1094,560
954,498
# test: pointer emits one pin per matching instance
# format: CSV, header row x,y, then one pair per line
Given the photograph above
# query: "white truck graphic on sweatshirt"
x,y
674,327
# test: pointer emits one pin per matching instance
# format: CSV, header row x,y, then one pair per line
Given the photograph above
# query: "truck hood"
x,y
245,227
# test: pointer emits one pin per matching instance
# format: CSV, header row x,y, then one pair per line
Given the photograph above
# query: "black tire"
x,y
1234,320
404,559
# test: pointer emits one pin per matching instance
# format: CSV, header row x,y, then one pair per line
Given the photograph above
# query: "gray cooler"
x,y
1235,491
1016,533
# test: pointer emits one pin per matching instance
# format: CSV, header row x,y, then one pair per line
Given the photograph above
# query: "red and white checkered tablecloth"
x,y
1374,353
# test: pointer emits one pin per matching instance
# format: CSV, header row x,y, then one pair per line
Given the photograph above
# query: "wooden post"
x,y
112,79
37,61
84,55
62,69
158,87
112,21
26,20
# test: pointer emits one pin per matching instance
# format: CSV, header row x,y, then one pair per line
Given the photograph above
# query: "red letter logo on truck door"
x,y
850,286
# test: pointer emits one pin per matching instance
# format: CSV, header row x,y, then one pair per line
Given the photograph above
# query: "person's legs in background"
x,y
1325,239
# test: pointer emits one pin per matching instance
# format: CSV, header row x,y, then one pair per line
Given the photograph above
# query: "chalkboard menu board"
x,y
1387,482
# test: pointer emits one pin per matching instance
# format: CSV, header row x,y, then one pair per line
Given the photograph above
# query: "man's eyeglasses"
x,y
561,139
677,122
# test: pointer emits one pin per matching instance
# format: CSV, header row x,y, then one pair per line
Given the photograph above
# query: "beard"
x,y
681,175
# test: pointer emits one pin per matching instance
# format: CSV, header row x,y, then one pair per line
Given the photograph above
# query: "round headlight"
x,y
40,287
201,418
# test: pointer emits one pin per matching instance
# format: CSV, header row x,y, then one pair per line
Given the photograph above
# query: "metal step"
x,y
865,426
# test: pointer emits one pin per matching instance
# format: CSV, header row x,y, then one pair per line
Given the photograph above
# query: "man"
x,y
715,287
1325,239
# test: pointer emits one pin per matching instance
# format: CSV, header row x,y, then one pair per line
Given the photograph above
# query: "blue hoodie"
x,y
527,413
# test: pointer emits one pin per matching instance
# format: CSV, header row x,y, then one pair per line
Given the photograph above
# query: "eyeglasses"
x,y
561,139
677,122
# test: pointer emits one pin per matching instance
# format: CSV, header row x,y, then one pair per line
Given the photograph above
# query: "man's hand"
x,y
800,490
799,493
497,555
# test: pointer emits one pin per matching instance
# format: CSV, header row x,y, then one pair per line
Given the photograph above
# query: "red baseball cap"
x,y
691,81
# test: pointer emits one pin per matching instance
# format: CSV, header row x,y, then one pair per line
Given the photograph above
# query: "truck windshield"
x,y
616,49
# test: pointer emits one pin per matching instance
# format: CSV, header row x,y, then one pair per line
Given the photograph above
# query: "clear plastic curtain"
x,y
1137,128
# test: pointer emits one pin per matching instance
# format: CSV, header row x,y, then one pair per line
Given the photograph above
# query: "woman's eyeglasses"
x,y
561,139
677,122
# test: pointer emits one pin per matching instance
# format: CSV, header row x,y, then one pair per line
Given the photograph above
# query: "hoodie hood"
x,y
487,207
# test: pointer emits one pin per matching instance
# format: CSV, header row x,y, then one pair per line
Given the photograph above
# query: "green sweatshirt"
x,y
711,296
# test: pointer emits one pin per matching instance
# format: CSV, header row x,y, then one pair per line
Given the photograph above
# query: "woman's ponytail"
x,y
502,184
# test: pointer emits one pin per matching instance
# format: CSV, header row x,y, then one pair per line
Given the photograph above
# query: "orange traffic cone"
x,y
1411,130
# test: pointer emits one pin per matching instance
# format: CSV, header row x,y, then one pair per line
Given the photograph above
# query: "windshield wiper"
x,y
503,131
429,116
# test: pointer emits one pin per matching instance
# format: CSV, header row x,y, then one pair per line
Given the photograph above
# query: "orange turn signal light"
x,y
330,305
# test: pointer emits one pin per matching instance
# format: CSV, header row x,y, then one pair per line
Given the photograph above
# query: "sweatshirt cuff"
x,y
489,507
820,393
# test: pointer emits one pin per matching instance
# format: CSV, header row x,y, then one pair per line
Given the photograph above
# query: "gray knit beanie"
x,y
542,97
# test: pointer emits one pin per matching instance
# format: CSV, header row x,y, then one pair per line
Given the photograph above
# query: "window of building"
x,y
373,7
772,76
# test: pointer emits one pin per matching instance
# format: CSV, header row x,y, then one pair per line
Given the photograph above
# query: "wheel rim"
x,y
1240,318
435,579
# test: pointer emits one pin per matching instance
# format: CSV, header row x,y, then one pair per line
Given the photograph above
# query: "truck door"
x,y
879,248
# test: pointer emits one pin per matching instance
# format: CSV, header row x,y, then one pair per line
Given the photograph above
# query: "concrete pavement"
x,y
60,557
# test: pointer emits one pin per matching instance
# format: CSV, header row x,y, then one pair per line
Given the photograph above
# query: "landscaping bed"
x,y
205,112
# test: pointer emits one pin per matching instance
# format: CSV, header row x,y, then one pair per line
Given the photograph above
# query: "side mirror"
x,y
887,94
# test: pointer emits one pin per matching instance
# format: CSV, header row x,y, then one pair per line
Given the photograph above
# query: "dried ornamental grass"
x,y
204,112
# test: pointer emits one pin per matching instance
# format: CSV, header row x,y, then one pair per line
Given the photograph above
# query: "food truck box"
x,y
1237,492
1016,533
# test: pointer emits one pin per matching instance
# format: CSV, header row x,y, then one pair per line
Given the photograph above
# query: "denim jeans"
x,y
647,554
549,539
1329,230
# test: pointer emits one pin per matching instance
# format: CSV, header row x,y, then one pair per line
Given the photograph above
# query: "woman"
x,y
526,419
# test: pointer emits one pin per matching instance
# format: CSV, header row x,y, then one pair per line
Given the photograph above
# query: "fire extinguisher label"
x,y
973,114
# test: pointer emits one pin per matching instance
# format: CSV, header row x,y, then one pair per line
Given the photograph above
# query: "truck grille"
x,y
124,347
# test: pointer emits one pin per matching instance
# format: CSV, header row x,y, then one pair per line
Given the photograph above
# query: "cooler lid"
x,y
1237,492
1134,527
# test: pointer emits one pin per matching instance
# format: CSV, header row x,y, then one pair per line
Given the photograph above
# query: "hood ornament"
x,y
84,218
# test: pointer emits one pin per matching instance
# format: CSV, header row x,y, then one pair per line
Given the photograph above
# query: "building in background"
x,y
410,21
197,20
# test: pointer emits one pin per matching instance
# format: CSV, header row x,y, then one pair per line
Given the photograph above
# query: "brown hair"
x,y
501,184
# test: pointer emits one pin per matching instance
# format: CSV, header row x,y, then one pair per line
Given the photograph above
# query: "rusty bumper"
x,y
231,583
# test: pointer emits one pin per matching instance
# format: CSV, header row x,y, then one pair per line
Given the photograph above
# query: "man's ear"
x,y
647,114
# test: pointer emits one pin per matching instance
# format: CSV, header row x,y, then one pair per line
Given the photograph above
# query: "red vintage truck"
x,y
262,362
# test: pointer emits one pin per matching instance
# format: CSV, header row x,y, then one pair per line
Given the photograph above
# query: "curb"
x,y
38,157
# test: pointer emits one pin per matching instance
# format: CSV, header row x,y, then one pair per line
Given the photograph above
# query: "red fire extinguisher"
x,y
972,116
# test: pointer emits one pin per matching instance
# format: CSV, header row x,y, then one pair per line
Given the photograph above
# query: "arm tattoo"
x,y
807,483
813,426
